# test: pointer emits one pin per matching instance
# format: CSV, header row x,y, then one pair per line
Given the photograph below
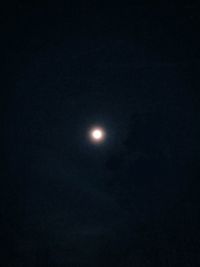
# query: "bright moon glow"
x,y
97,135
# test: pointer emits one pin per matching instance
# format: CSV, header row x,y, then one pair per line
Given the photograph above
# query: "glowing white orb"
x,y
97,135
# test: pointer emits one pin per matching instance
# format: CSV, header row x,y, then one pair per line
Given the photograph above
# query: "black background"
x,y
133,69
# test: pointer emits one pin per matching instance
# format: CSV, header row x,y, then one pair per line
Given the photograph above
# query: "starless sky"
x,y
132,70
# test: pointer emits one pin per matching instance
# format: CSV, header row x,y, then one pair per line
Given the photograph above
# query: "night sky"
x,y
133,199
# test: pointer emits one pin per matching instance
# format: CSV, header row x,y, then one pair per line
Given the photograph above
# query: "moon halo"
x,y
97,135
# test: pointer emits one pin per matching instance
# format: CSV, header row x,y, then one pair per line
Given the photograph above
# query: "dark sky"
x,y
132,69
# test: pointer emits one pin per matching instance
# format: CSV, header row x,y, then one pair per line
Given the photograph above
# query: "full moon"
x,y
97,134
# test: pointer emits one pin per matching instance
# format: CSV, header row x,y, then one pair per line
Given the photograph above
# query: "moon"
x,y
97,134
